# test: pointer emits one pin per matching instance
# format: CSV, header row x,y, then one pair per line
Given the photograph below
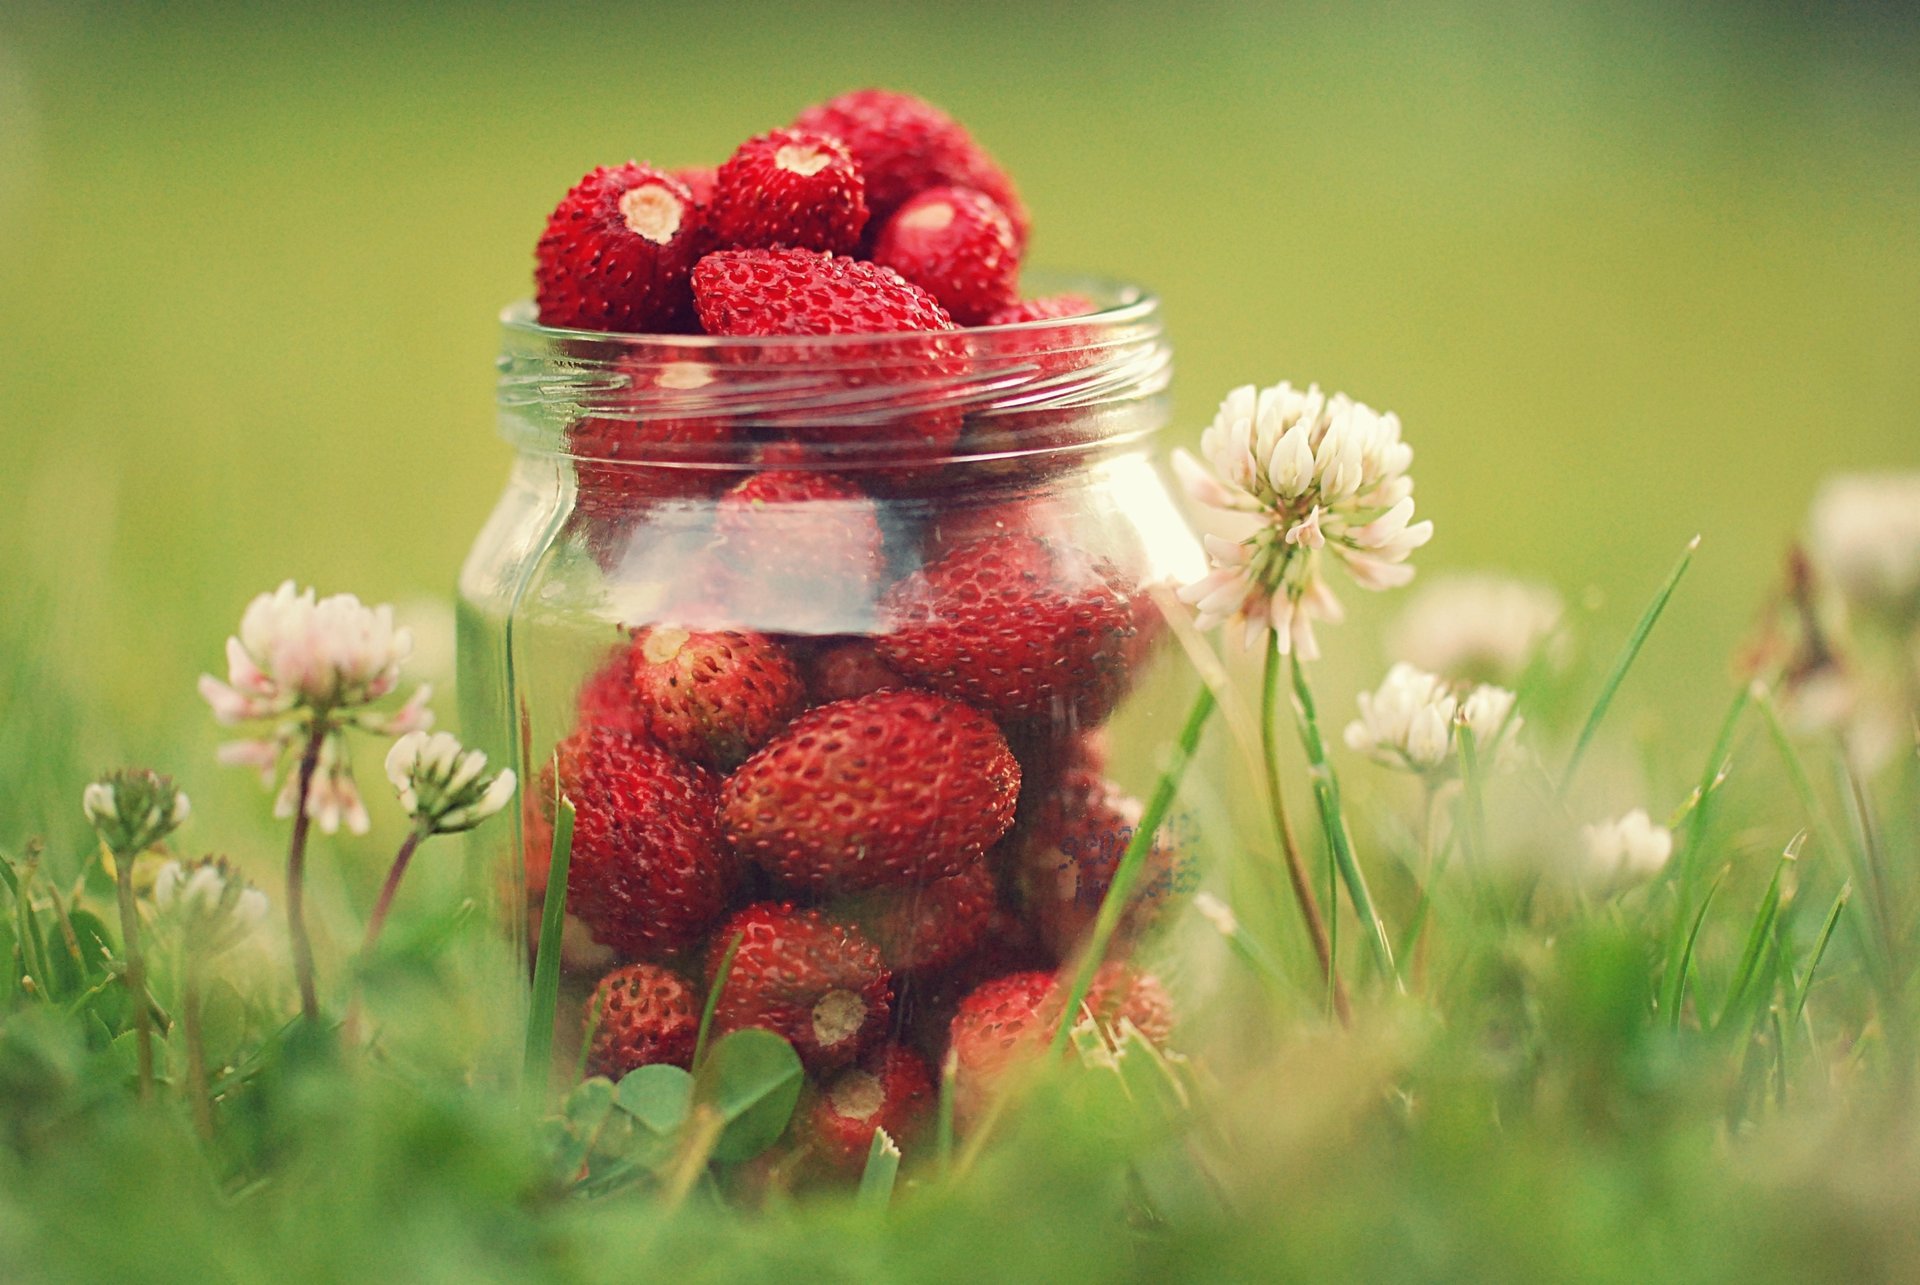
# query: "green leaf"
x,y
657,1096
752,1079
96,942
582,1116
883,1166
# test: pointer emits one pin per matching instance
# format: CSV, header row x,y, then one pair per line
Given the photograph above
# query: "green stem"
x,y
1132,862
136,968
1289,845
378,919
301,944
1326,794
197,1093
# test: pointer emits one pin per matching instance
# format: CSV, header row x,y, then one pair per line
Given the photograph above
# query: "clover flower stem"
x,y
190,1005
378,919
136,975
1132,862
1289,843
1326,794
297,937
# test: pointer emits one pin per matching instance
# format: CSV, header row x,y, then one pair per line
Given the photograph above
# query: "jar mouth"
x,y
838,401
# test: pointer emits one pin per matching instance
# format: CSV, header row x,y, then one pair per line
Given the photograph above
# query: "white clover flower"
x,y
1412,722
1323,476
1477,627
209,903
1626,851
444,786
1864,532
133,809
304,664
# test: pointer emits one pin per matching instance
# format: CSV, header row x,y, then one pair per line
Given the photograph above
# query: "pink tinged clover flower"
x,y
303,666
1323,478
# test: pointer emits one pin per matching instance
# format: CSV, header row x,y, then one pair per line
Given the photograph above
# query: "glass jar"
x,y
845,650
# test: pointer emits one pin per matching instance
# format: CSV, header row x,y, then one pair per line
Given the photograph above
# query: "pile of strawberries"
x,y
900,837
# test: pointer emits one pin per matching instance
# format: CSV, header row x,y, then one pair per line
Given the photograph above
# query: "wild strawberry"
x,y
618,251
837,671
1066,860
898,388
640,1015
805,545
803,292
700,181
789,188
891,1089
1020,626
957,245
886,789
816,982
712,696
649,871
1006,1023
1045,308
642,444
905,145
930,926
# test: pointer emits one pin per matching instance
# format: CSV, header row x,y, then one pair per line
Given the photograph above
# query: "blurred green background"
x,y
1626,273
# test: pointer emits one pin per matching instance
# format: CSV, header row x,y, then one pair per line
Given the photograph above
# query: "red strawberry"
x,y
789,188
1007,1022
816,982
891,1089
803,545
700,180
957,245
1045,308
1067,859
843,670
618,251
886,789
897,389
803,292
926,927
905,145
1017,625
649,870
712,696
642,1014
637,449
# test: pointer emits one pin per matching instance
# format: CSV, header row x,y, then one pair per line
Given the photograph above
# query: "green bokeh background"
x,y
1626,273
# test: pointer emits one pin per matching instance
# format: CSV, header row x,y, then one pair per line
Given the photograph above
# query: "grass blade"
x,y
883,1166
537,1069
943,1127
1820,947
720,976
1759,935
1618,674
1699,807
1326,795
1676,992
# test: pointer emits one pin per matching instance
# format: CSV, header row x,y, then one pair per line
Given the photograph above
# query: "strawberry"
x,y
712,696
926,927
957,245
1067,859
637,449
1006,1023
700,181
618,251
1017,625
804,544
905,145
649,871
885,789
1051,307
898,389
640,1015
891,1089
789,188
814,981
846,669
803,292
